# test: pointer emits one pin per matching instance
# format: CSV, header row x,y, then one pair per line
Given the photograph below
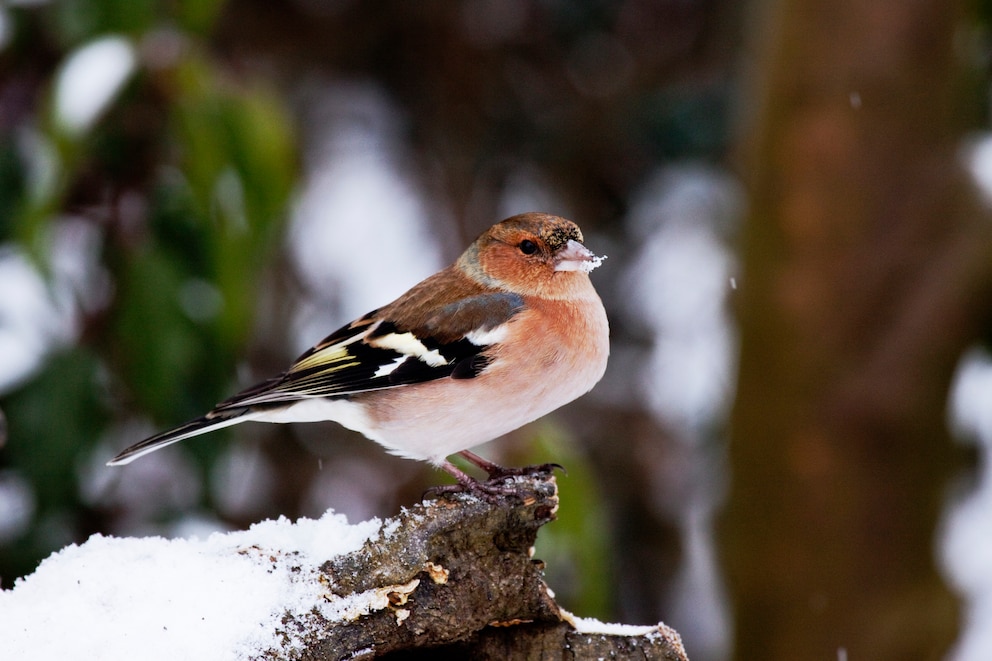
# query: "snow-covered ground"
x,y
153,598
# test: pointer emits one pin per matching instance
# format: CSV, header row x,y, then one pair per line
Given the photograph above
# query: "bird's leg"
x,y
468,484
490,489
491,469
497,472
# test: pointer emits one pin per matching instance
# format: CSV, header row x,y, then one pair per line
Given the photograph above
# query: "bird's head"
x,y
532,253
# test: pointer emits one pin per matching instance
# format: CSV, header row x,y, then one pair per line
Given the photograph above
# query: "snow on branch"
x,y
455,573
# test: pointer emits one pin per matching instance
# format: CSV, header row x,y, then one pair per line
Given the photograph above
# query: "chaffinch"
x,y
509,332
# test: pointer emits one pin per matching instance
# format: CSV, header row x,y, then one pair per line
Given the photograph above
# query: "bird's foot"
x,y
500,482
491,491
501,472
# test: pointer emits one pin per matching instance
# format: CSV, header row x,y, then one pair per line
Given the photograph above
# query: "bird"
x,y
509,332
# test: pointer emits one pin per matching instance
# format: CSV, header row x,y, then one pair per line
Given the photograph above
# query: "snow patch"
x,y
220,598
593,627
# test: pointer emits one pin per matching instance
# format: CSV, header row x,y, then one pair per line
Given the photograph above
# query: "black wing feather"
x,y
352,360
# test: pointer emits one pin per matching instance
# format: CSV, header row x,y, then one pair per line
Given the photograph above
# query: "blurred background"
x,y
788,456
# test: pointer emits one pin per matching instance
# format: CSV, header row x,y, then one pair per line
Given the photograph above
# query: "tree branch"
x,y
457,573
450,578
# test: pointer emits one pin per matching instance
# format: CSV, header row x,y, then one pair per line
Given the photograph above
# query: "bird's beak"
x,y
576,257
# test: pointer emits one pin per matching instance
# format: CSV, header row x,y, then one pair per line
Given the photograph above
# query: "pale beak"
x,y
576,257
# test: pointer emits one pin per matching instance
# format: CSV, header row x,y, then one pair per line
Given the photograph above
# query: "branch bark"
x,y
457,575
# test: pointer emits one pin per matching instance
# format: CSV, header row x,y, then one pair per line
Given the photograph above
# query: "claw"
x,y
492,489
500,472
496,471
488,491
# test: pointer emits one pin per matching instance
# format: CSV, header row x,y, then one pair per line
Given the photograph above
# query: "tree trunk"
x,y
866,272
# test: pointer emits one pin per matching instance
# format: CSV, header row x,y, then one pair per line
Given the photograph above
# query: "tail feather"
x,y
210,422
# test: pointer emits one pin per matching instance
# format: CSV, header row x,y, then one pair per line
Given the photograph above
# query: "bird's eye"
x,y
527,247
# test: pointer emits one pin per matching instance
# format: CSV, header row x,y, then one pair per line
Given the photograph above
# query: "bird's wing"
x,y
380,351
372,353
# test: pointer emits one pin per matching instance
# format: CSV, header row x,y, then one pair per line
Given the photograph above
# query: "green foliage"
x,y
49,422
11,188
197,16
240,166
575,546
185,175
64,403
157,341
75,21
